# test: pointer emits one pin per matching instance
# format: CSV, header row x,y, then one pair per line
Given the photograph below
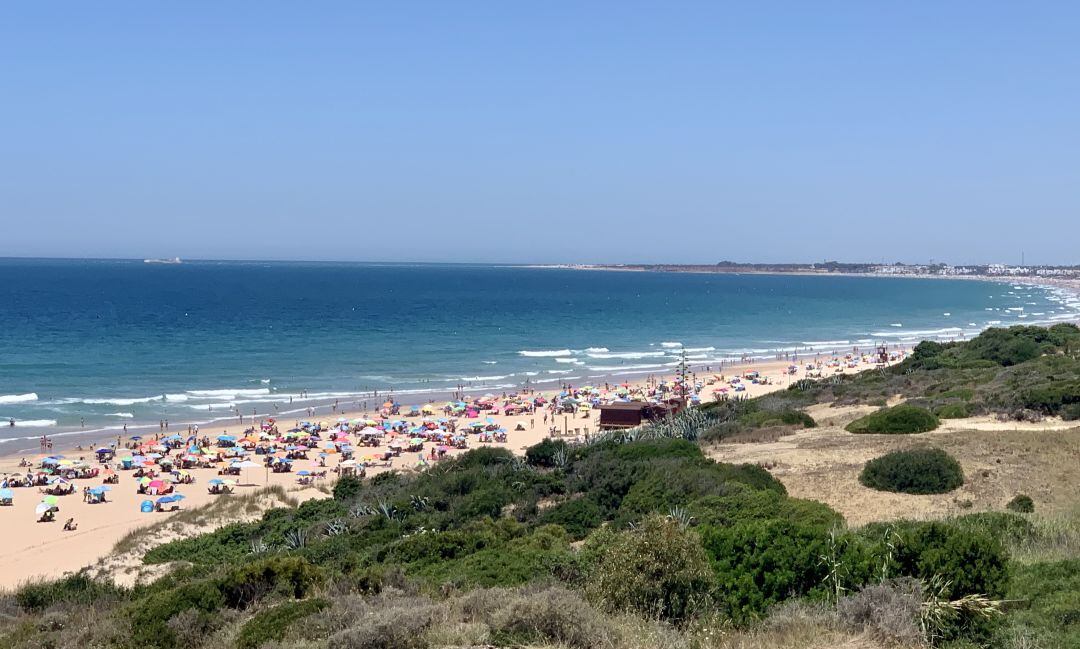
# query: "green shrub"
x,y
286,576
1008,529
657,569
1044,602
579,516
517,561
347,487
149,617
902,419
761,563
915,471
764,418
973,561
272,623
745,505
953,411
78,589
545,453
1021,504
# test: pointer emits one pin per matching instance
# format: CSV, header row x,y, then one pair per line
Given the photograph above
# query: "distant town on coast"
x,y
850,268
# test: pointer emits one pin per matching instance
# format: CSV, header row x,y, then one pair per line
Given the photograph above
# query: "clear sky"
x,y
541,132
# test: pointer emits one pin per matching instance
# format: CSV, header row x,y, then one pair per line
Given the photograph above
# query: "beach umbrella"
x,y
42,508
303,472
50,500
7,493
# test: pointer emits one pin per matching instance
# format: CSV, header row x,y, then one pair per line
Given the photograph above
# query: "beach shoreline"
x,y
73,436
35,550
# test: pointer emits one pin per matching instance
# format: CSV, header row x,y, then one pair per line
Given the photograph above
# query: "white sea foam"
x,y
924,332
671,344
264,381
176,397
254,392
119,402
826,343
18,398
486,378
596,350
559,371
691,350
122,415
489,362
546,353
28,423
572,361
628,355
614,368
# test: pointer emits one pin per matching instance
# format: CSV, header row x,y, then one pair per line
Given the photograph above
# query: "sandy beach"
x,y
32,550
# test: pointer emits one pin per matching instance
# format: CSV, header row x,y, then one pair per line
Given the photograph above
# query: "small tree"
x,y
657,569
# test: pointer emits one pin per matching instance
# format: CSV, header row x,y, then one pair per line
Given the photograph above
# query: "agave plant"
x,y
336,527
259,546
295,539
680,516
361,509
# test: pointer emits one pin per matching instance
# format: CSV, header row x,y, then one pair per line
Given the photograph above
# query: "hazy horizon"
x,y
492,133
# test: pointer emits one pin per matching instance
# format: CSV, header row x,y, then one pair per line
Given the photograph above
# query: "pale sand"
x,y
31,550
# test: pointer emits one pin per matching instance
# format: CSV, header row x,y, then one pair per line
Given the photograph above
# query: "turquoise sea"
x,y
87,346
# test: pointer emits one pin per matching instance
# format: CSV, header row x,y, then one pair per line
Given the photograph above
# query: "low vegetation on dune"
x,y
917,471
633,540
1019,373
898,420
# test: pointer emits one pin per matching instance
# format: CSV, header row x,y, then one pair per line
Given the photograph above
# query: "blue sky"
x,y
541,132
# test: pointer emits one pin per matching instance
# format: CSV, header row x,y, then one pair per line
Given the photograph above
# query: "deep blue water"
x,y
114,342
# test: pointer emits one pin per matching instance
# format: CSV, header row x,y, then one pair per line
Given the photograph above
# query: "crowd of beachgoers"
x,y
124,482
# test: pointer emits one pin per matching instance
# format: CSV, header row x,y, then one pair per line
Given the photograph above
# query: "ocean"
x,y
92,345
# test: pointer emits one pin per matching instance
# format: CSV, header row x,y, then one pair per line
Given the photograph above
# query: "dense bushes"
x,y
972,561
668,533
546,453
76,589
1021,504
238,588
657,569
953,411
1044,602
760,563
900,419
272,623
915,471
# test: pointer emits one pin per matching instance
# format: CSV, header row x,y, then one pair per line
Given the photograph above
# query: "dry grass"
x,y
999,462
124,564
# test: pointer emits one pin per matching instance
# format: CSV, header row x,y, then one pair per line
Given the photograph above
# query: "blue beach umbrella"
x,y
7,493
